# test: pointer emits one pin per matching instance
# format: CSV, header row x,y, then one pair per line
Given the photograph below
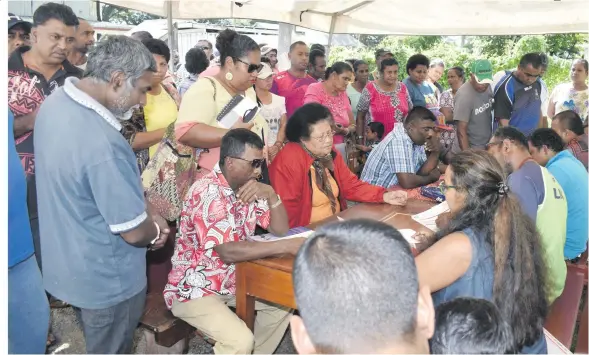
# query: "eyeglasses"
x,y
443,187
204,48
490,144
251,67
256,163
325,136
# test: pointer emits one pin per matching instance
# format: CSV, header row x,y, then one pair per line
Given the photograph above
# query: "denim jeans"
x,y
111,330
28,309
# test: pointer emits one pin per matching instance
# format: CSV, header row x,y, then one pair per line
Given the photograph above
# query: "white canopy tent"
x,y
400,17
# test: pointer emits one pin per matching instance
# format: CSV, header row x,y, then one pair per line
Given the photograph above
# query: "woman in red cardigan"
x,y
312,179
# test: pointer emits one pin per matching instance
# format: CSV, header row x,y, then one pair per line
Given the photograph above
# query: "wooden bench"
x,y
164,333
563,313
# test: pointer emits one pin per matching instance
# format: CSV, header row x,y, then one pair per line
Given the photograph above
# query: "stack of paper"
x,y
428,218
300,232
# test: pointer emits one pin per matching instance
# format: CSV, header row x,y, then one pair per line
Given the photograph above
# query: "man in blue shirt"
x,y
548,149
518,95
28,308
95,223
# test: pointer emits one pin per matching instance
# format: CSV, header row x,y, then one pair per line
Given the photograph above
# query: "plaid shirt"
x,y
395,154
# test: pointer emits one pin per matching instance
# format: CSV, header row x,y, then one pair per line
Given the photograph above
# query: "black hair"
x,y
352,258
299,124
338,68
317,46
544,60
512,134
387,63
141,35
531,58
232,44
54,11
571,121
196,61
547,137
519,281
419,113
357,64
459,71
584,62
415,60
265,60
315,53
233,143
471,326
295,44
377,128
351,61
157,46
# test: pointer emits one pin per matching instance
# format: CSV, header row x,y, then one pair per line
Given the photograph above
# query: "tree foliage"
x,y
121,15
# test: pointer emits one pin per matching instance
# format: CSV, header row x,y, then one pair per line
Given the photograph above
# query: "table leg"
x,y
245,304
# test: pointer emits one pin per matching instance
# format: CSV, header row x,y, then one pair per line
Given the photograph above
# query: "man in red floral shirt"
x,y
220,211
569,126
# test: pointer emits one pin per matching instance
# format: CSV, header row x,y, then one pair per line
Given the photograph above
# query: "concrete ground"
x,y
70,339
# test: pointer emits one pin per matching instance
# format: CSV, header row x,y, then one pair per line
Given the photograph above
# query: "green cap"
x,y
483,71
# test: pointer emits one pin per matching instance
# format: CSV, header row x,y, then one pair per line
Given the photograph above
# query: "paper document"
x,y
428,218
300,232
408,235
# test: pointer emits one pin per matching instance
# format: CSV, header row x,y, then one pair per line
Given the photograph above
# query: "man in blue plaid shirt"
x,y
408,156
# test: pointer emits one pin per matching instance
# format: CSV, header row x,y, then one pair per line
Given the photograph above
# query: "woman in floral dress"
x,y
385,100
573,95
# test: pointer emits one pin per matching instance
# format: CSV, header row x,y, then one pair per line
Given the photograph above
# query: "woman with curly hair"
x,y
489,249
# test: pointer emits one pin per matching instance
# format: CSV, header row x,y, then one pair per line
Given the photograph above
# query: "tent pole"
x,y
170,15
330,38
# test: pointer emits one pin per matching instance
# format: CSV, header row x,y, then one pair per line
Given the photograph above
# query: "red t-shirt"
x,y
292,89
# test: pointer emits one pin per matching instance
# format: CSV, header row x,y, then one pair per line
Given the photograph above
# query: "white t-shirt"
x,y
272,114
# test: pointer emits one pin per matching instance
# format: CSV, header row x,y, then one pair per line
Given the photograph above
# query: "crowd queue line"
x,y
89,122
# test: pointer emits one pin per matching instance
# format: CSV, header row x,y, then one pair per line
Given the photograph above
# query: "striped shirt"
x,y
395,154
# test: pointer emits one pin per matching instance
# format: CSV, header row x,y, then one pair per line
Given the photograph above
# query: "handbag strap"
x,y
214,88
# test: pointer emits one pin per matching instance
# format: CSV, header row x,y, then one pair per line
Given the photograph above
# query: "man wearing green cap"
x,y
473,107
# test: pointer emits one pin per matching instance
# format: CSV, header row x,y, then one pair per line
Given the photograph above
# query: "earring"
x,y
228,76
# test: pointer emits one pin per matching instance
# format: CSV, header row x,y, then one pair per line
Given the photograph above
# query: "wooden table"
x,y
271,279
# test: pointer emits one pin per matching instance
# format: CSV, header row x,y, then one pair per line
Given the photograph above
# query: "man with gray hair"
x,y
96,226
357,291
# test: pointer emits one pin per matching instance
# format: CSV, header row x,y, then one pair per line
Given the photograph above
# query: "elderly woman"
x,y
147,126
455,80
332,93
197,124
385,100
435,73
312,178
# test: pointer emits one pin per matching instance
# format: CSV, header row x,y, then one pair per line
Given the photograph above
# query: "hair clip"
x,y
502,188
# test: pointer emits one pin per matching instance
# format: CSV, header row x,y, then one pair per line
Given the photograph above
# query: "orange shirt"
x,y
321,207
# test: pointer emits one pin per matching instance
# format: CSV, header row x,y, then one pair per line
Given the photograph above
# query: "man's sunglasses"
x,y
256,163
251,67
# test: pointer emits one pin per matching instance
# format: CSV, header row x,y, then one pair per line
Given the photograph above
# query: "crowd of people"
x,y
88,121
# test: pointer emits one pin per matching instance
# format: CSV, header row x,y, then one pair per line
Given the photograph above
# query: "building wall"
x,y
26,8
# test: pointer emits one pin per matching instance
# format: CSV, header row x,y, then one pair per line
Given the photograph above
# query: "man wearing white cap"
x,y
272,55
473,106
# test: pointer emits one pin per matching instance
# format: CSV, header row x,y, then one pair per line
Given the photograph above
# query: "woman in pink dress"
x,y
385,100
331,93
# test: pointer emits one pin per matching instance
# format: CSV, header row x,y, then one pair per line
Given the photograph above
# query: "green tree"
x,y
566,45
422,43
117,14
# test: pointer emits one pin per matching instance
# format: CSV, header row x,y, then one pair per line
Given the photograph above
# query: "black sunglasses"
x,y
256,163
251,67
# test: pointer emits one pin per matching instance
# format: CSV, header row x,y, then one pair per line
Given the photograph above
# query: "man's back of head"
x,y
544,144
471,326
570,120
357,291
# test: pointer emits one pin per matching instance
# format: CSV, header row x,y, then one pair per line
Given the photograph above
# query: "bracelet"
x,y
157,227
277,203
